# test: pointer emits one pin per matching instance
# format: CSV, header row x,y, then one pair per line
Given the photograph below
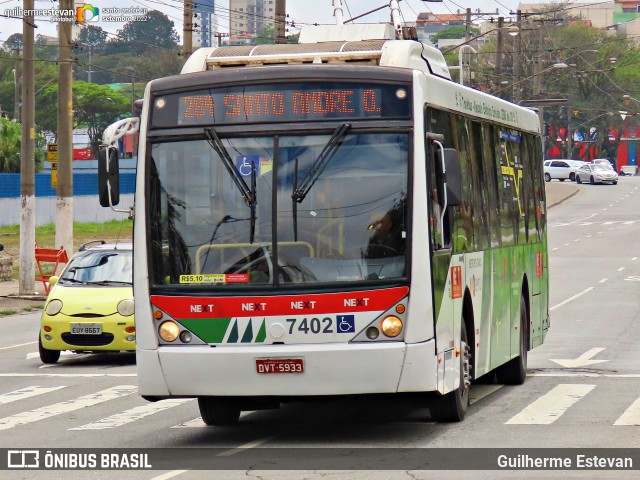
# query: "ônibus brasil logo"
x,y
87,13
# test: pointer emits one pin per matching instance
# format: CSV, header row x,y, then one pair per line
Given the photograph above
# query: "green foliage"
x,y
453,32
10,144
94,107
157,32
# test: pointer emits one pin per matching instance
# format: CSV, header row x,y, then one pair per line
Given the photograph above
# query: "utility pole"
x,y
465,56
515,95
281,21
64,200
187,29
499,49
537,67
27,158
220,36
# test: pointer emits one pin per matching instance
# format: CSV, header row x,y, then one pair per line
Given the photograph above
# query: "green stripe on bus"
x,y
209,330
262,333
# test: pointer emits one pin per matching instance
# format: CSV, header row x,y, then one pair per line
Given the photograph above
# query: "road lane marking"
x,y
587,290
620,269
634,259
575,221
65,407
584,374
242,448
166,476
548,408
631,416
554,249
603,280
133,414
16,346
26,393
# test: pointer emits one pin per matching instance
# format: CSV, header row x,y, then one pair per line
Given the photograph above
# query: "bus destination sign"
x,y
281,102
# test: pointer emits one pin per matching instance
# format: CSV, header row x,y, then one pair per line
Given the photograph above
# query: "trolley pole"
x,y
27,158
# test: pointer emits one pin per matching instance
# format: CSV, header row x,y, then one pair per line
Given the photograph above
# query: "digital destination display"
x,y
281,102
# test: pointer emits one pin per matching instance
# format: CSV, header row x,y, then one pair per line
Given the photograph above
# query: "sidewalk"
x,y
557,192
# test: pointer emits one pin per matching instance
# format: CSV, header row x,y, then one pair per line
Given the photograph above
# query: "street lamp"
x,y
16,97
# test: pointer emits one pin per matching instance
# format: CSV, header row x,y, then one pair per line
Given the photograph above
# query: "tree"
x,y
95,107
10,141
456,31
93,37
156,32
13,42
266,36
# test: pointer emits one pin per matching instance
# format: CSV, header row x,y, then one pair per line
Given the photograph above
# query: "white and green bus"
x,y
333,218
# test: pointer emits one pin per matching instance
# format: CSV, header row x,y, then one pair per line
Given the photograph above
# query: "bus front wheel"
x,y
453,406
218,411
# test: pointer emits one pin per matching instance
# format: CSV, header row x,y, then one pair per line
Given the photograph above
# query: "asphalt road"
x,y
583,389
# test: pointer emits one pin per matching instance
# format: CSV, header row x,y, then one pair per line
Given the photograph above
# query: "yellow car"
x,y
90,305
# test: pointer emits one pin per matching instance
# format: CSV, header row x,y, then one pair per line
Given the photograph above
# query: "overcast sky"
x,y
300,11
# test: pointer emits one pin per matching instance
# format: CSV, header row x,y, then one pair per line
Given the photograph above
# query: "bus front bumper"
x,y
329,369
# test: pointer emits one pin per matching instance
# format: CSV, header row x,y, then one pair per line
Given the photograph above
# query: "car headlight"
x,y
53,307
125,307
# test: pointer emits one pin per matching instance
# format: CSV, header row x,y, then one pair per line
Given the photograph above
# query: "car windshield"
x,y
599,166
107,267
329,208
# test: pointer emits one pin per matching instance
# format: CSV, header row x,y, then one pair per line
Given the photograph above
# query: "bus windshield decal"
x,y
281,102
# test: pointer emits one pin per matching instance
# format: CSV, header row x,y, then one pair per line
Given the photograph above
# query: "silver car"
x,y
596,173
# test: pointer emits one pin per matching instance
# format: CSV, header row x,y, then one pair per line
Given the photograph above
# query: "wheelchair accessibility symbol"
x,y
244,162
346,324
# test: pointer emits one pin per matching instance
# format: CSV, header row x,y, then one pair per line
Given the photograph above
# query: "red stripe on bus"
x,y
222,307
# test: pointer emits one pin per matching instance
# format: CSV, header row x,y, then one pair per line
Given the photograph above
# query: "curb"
x,y
558,202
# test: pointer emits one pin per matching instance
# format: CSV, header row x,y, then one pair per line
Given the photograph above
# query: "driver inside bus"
x,y
388,238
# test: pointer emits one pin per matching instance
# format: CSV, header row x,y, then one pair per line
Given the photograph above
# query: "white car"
x,y
596,173
602,161
560,169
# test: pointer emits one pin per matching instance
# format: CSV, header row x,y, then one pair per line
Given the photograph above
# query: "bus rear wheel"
x,y
514,372
218,411
453,406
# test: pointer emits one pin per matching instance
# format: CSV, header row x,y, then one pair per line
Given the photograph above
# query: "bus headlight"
x,y
53,307
169,331
125,307
391,326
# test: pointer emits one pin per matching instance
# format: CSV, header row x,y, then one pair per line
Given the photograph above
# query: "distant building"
x,y
248,18
205,32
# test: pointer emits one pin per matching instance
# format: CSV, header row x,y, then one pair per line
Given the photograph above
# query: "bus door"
x,y
442,179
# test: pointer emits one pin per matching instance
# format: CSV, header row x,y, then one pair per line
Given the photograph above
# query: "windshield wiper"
x,y
249,194
109,282
317,167
72,280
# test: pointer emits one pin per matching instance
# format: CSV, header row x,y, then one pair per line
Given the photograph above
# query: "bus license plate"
x,y
86,329
279,365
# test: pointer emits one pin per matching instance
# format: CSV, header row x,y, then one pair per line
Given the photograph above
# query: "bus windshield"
x,y
279,210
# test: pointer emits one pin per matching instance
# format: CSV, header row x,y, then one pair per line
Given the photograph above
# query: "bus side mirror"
x,y
454,177
108,177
